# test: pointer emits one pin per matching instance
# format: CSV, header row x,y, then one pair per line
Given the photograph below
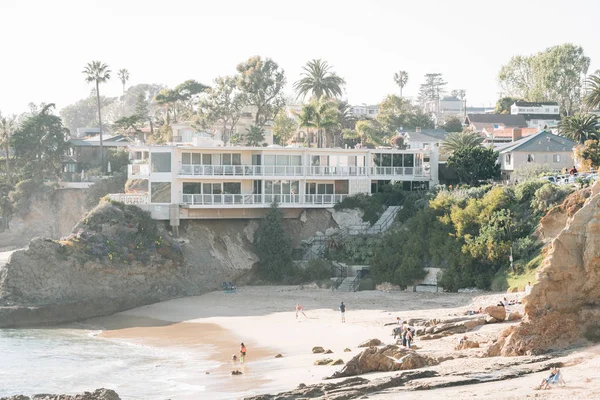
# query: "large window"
x,y
319,188
211,159
556,158
161,191
232,188
161,162
192,188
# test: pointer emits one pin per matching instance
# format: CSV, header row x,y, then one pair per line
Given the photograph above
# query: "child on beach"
x,y
343,311
299,309
242,353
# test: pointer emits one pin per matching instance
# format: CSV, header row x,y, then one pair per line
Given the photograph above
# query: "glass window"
x,y
268,187
386,160
270,160
207,188
311,188
236,159
161,162
161,191
397,160
556,158
206,159
333,161
341,187
186,158
197,159
409,160
226,159
507,158
377,159
232,187
295,160
529,158
192,188
315,161
256,159
283,160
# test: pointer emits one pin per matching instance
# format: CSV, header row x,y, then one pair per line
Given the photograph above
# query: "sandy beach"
x,y
264,319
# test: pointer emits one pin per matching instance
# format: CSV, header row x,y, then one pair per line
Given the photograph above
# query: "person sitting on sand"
x,y
234,359
242,353
546,381
299,309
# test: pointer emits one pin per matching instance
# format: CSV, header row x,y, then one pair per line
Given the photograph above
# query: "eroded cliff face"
x,y
52,214
564,305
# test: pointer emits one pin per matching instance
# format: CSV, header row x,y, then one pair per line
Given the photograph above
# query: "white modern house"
x,y
206,180
540,115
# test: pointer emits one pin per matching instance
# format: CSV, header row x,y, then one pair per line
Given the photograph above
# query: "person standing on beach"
x,y
343,311
299,309
242,353
527,288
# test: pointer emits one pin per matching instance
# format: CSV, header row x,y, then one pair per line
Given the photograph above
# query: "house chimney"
x,y
517,133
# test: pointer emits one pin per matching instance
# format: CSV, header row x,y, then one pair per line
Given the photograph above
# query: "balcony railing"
x,y
271,170
138,169
130,198
261,199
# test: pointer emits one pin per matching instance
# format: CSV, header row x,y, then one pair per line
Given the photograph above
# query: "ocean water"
x,y
73,360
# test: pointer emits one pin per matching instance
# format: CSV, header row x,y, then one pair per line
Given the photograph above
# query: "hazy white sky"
x,y
46,43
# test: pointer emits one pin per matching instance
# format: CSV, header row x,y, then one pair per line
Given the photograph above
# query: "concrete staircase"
x,y
346,284
385,221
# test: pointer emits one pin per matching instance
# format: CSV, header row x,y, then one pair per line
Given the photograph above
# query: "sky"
x,y
46,44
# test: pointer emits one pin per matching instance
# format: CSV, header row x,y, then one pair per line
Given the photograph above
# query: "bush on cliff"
x,y
121,234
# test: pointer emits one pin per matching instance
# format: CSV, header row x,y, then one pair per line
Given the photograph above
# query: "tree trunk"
x,y
7,147
400,91
100,125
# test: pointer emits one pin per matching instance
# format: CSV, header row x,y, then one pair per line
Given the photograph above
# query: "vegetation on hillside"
x,y
467,232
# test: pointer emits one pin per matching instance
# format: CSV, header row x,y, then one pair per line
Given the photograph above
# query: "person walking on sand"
x,y
300,309
343,311
242,353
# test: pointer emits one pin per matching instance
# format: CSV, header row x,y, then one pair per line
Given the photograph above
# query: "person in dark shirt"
x,y
343,311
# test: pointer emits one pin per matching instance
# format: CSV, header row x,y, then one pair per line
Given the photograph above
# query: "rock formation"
x,y
497,312
370,343
99,394
562,307
385,359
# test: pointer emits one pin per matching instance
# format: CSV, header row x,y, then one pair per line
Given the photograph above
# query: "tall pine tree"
x,y
273,246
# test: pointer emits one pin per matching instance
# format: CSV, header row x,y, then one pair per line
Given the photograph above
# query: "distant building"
x,y
478,122
543,148
365,111
424,138
540,115
506,135
85,153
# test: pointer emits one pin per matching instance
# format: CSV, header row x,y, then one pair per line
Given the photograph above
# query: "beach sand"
x,y
264,319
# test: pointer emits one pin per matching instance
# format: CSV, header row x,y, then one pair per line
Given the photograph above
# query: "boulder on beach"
x,y
514,316
498,312
339,361
466,344
99,394
323,361
328,351
347,350
318,350
278,355
236,372
370,343
384,359
490,320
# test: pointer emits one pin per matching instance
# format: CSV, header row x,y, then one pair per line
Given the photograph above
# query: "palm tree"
x,y
255,136
401,78
323,115
123,76
98,72
7,127
579,127
460,140
592,99
319,80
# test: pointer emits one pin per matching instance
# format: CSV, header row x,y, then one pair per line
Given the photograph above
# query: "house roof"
x,y
543,141
450,98
426,135
109,141
535,103
495,121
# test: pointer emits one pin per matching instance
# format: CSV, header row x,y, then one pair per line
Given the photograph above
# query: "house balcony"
x,y
261,200
189,170
131,199
138,171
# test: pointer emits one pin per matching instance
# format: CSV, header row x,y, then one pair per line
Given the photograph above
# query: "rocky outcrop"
x,y
385,359
99,394
52,213
556,219
370,343
562,307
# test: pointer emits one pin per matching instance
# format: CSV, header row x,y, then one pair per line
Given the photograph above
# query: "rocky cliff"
x,y
564,305
51,214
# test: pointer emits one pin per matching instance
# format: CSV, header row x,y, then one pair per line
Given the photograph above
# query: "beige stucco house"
x,y
543,148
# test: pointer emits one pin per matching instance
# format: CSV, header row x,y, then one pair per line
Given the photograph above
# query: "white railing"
x,y
130,198
259,199
138,169
272,170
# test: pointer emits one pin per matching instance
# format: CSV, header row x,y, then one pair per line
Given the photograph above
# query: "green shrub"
x,y
23,193
548,196
366,284
525,191
273,246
